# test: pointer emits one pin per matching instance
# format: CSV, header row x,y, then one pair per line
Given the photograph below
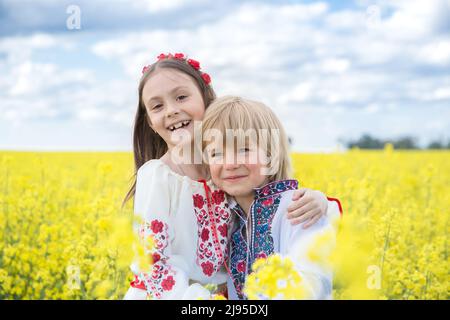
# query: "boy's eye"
x,y
216,154
182,97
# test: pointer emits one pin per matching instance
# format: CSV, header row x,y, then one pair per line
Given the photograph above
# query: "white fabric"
x,y
293,241
168,197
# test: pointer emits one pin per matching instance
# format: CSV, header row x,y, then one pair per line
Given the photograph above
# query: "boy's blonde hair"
x,y
241,115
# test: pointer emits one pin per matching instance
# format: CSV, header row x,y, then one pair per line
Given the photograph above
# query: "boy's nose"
x,y
230,164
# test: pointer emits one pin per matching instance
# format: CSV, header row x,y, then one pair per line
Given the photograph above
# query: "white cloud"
x,y
153,6
326,73
345,20
300,93
30,79
42,91
442,93
335,65
414,20
20,48
437,52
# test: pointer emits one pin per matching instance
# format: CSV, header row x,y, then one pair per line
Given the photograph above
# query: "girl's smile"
x,y
178,125
173,102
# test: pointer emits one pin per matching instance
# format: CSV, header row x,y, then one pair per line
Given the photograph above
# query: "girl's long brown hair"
x,y
147,144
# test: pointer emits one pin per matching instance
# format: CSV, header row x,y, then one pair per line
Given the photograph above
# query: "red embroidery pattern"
x,y
338,203
137,283
207,258
199,202
218,197
207,268
161,276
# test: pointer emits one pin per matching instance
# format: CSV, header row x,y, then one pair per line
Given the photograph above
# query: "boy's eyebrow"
x,y
171,91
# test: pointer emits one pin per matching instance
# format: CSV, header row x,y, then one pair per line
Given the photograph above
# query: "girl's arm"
x,y
308,206
166,277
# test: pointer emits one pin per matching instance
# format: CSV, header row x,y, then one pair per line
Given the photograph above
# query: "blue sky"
x,y
330,70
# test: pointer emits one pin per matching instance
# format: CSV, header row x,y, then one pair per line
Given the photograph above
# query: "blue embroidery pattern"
x,y
238,261
276,187
262,216
263,209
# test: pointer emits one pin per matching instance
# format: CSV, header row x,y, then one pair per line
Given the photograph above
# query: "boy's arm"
x,y
310,249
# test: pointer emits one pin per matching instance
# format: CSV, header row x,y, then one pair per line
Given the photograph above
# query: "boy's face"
x,y
237,172
173,103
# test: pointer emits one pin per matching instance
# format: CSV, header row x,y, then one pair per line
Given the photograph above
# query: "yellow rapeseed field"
x,y
64,235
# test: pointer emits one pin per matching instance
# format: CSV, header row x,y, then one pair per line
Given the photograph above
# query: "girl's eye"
x,y
181,97
157,106
242,150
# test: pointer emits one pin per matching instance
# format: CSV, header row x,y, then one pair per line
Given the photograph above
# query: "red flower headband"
x,y
180,56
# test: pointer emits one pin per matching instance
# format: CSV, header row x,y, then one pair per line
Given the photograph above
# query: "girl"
x,y
176,203
259,196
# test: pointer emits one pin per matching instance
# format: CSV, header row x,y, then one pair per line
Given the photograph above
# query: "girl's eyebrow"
x,y
171,91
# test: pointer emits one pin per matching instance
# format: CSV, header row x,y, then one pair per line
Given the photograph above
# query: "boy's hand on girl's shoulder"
x,y
307,206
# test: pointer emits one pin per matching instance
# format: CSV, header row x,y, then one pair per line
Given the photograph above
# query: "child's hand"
x,y
307,205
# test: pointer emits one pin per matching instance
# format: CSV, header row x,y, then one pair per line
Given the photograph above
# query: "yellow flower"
x,y
64,209
274,278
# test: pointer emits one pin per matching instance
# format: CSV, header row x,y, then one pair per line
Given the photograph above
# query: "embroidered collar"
x,y
266,190
275,187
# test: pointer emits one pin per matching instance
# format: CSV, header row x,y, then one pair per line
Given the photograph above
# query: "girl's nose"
x,y
171,110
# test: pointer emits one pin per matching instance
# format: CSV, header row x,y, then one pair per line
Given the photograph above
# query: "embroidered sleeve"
x,y
162,280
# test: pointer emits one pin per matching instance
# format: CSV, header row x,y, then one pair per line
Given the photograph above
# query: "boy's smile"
x,y
237,175
234,178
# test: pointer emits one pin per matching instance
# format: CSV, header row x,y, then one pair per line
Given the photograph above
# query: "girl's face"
x,y
173,103
238,173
